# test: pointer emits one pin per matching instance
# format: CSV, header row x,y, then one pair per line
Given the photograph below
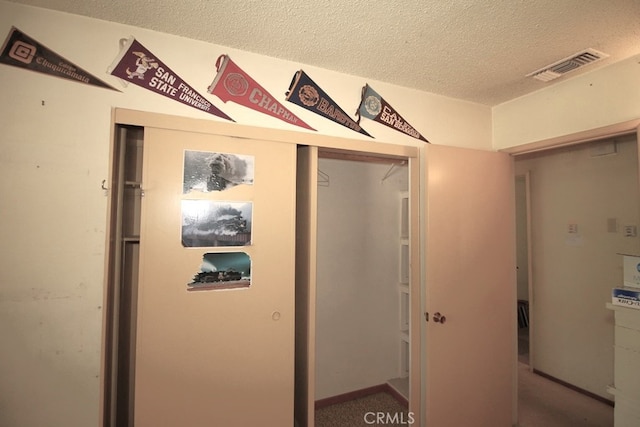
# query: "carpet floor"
x,y
544,403
541,403
363,412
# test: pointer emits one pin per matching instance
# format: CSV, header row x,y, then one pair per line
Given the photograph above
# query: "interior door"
x,y
470,287
218,354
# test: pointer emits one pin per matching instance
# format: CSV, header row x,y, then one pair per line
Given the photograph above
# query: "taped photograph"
x,y
209,171
228,270
209,223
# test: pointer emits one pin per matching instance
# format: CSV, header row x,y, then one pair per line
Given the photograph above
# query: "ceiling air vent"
x,y
573,62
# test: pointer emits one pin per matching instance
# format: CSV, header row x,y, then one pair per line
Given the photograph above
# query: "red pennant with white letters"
x,y
233,84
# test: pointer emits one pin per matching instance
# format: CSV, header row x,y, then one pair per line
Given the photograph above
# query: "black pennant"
x,y
20,50
305,92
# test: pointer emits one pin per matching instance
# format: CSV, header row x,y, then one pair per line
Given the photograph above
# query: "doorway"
x,y
341,250
122,276
523,291
362,294
582,200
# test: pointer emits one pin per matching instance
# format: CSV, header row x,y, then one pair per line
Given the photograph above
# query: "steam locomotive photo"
x,y
217,276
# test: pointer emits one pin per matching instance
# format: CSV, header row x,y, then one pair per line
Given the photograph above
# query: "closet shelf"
x,y
404,299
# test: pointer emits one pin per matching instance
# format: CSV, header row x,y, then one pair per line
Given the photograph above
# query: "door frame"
x,y
356,147
605,132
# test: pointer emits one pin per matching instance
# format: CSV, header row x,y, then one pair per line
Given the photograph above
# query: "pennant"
x,y
22,51
233,84
374,107
135,64
304,92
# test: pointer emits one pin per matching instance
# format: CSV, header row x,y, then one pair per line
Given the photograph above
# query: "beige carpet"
x,y
544,403
541,403
358,412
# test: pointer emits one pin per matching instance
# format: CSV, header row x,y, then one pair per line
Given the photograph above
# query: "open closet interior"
x,y
362,290
124,236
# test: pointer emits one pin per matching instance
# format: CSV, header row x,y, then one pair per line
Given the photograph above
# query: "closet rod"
x,y
323,179
393,165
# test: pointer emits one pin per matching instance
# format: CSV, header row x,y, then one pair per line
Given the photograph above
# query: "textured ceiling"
x,y
476,50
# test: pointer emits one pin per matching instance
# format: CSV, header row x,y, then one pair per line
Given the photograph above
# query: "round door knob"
x,y
439,318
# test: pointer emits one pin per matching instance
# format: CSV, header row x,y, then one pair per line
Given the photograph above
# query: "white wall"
x,y
599,98
54,149
573,273
357,321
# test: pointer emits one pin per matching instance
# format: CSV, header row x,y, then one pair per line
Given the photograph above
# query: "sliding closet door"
x,y
470,287
215,332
